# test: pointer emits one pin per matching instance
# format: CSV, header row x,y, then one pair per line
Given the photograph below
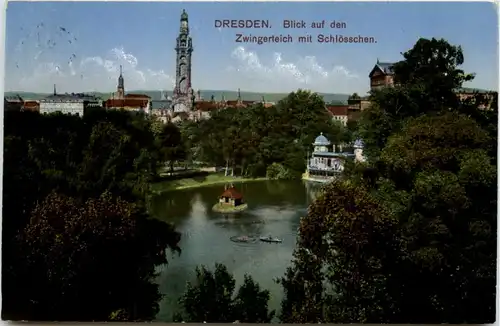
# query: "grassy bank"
x,y
197,181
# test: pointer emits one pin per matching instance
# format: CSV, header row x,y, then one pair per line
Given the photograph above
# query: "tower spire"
x,y
121,84
239,95
183,91
55,93
184,22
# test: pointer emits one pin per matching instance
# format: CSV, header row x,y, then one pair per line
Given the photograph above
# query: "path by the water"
x,y
199,181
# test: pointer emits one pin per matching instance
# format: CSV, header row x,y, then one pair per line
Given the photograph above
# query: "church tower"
x,y
183,92
120,89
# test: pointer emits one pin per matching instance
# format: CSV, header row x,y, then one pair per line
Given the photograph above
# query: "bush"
x,y
211,299
277,171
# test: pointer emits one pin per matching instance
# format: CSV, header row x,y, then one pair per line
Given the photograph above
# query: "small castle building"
x,y
324,164
231,197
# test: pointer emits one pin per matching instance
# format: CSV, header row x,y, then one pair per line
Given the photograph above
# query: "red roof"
x,y
127,102
238,104
232,103
231,193
31,105
206,105
338,109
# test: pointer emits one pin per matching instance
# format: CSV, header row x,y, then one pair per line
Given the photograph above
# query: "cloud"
x,y
247,70
97,73
281,75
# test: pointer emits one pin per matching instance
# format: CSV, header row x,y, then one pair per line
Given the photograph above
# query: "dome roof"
x,y
321,141
359,143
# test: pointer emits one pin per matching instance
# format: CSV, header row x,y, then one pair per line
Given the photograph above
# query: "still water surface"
x,y
275,208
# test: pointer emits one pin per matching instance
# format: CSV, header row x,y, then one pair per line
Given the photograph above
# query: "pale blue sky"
x,y
141,37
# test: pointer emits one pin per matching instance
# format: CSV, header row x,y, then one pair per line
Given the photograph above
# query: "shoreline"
x,y
177,184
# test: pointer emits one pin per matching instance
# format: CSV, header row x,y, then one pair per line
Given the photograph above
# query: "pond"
x,y
274,208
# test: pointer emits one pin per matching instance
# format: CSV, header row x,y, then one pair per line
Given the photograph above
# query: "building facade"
x,y
324,165
183,96
31,105
129,102
339,113
382,75
13,103
73,104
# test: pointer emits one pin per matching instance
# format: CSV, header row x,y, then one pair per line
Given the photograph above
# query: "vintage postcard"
x,y
250,162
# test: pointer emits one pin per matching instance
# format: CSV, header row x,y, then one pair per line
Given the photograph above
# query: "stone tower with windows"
x,y
183,93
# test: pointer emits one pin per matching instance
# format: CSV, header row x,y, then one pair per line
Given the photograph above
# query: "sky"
x,y
79,46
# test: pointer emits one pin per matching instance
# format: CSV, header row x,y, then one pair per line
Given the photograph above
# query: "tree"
x,y
449,218
78,256
336,262
426,81
278,172
211,299
171,144
415,225
425,235
78,158
252,139
251,303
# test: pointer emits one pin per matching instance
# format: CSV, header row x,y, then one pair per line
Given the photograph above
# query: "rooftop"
x,y
359,143
321,141
337,109
72,96
137,96
127,102
385,67
231,193
13,98
332,154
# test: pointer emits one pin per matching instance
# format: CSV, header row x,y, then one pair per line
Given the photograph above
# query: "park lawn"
x,y
199,181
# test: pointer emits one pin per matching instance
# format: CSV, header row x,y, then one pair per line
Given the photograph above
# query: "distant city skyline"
x,y
79,46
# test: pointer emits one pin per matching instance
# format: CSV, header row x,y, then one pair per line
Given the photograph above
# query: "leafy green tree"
x,y
424,235
277,171
409,236
211,299
79,158
426,81
251,303
97,257
171,145
338,273
448,217
251,139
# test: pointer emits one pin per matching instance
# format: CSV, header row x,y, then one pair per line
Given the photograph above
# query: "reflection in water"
x,y
274,208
